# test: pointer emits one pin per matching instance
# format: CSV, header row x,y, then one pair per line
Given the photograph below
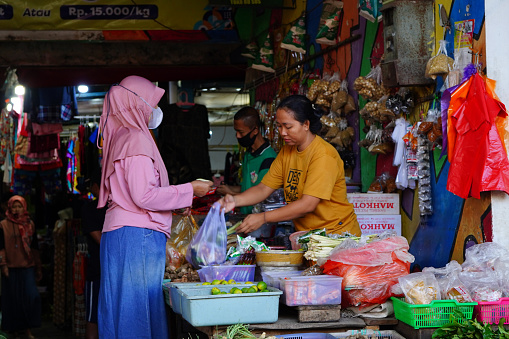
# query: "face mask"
x,y
247,141
155,118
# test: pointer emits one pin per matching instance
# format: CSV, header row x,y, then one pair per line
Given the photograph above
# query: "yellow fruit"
x,y
261,285
233,289
244,290
223,292
251,290
248,282
215,291
231,282
237,291
254,288
216,282
206,283
224,282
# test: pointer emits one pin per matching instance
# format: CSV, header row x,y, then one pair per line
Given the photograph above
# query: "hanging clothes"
x,y
6,135
51,104
475,150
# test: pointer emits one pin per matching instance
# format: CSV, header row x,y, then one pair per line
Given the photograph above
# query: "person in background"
x,y
135,185
310,171
21,268
92,220
259,155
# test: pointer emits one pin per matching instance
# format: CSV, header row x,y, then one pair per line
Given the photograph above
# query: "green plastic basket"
x,y
436,314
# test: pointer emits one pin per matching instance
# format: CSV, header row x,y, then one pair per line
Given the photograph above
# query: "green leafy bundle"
x,y
460,328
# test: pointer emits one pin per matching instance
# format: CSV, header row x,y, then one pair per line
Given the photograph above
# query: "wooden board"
x,y
319,313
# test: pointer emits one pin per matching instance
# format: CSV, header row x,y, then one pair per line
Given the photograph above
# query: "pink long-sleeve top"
x,y
137,198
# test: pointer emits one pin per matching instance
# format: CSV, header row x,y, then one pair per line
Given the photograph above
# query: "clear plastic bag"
x,y
208,246
420,288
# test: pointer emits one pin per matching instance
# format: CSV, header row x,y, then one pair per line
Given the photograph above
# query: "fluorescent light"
x,y
83,88
212,88
9,107
16,104
239,89
19,90
205,89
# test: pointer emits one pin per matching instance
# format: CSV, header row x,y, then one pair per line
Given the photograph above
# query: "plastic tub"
x,y
175,298
311,290
201,308
386,334
307,336
227,272
491,311
272,278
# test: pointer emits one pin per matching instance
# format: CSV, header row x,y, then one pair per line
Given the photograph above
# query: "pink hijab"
x,y
124,128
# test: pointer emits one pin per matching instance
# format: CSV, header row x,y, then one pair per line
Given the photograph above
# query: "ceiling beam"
x,y
113,54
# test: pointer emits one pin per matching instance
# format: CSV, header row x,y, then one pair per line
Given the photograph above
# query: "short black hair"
x,y
249,116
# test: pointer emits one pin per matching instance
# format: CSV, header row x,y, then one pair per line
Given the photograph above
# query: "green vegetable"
x,y
460,327
232,229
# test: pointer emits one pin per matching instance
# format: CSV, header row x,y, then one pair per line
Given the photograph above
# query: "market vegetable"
x,y
233,229
321,246
460,327
241,331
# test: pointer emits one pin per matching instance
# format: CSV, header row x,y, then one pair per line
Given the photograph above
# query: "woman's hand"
x,y
251,223
227,203
201,187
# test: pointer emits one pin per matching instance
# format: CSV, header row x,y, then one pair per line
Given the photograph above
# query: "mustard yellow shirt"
x,y
317,171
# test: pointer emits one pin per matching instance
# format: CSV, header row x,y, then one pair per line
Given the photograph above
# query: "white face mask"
x,y
155,118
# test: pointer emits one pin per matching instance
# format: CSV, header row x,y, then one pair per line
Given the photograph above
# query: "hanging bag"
x,y
208,246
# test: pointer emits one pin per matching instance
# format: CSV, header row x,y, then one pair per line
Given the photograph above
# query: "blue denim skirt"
x,y
131,302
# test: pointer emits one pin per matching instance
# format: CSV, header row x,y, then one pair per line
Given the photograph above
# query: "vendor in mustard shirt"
x,y
309,170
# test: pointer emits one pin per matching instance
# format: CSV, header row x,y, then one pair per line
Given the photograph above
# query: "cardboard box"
x,y
374,203
376,224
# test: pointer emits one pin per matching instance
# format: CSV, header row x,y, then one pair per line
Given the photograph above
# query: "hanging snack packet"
x,y
440,64
250,51
265,59
296,37
329,22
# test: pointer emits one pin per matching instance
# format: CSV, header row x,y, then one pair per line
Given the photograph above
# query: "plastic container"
x,y
491,311
227,272
175,298
272,278
435,314
200,308
293,239
311,290
307,336
386,334
166,291
279,258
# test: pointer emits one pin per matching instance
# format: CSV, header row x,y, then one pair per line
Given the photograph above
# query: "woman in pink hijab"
x,y
140,201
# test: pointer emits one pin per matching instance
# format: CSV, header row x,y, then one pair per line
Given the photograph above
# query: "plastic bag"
x,y
181,235
208,246
370,271
420,288
440,64
443,275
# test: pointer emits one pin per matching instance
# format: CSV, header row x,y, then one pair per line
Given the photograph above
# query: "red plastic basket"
x,y
491,311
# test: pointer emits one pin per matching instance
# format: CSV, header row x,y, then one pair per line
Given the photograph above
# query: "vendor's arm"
x,y
251,196
145,190
227,189
294,210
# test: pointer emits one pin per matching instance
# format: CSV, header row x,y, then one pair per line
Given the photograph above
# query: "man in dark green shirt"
x,y
259,154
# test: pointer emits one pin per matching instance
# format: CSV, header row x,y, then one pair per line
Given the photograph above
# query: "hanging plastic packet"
x,y
329,22
295,39
250,51
265,59
440,64
340,98
370,10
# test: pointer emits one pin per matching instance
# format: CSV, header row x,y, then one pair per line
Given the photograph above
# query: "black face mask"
x,y
246,140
